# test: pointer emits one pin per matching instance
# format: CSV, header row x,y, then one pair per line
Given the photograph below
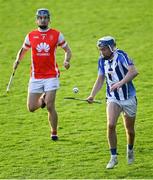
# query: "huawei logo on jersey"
x,y
43,47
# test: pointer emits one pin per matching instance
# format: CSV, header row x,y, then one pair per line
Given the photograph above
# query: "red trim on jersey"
x,y
44,53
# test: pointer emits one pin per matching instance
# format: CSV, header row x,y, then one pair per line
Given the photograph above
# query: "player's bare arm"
x,y
68,55
96,88
131,74
19,57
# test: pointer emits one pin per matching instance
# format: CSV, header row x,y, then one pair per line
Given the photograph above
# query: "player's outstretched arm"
x,y
96,87
19,57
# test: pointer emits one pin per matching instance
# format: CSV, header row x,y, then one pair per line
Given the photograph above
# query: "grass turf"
x,y
82,151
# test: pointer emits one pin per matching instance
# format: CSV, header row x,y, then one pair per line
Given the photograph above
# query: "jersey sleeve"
x,y
61,41
26,43
101,70
125,60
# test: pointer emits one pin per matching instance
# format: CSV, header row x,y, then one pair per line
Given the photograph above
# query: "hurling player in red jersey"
x,y
44,80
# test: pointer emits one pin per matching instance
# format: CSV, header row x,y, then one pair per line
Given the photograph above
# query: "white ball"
x,y
75,90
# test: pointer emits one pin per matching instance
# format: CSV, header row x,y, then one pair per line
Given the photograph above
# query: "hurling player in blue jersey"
x,y
118,70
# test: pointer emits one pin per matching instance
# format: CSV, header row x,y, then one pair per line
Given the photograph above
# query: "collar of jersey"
x,y
40,30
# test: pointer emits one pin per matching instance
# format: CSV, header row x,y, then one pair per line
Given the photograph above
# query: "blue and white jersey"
x,y
115,70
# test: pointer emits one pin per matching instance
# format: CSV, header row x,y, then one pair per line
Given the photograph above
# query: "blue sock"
x,y
113,151
130,146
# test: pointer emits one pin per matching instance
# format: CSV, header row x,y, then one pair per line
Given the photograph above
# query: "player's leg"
x,y
34,101
52,114
129,109
50,87
130,132
113,112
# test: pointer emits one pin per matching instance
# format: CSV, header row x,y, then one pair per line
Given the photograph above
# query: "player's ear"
x,y
36,21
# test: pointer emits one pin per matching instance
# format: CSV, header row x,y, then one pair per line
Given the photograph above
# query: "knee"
x,y
30,108
111,127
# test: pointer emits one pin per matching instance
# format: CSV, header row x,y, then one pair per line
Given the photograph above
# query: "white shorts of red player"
x,y
43,85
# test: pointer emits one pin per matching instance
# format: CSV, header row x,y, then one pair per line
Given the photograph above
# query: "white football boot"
x,y
130,156
113,161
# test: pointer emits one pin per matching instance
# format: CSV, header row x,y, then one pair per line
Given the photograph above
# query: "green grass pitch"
x,y
26,151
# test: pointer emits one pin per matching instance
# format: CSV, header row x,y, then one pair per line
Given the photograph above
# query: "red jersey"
x,y
43,45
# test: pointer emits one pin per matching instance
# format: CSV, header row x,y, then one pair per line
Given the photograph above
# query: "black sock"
x,y
113,151
130,146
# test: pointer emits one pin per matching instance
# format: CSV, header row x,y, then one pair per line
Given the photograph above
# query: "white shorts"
x,y
129,106
43,85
